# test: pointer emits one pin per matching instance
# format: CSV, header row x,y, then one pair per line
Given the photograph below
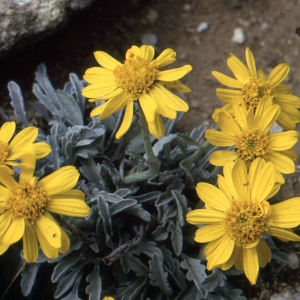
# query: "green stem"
x,y
152,161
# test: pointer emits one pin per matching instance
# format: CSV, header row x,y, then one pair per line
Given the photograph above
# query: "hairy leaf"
x,y
158,275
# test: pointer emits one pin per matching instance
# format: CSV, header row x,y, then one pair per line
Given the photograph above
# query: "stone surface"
x,y
22,20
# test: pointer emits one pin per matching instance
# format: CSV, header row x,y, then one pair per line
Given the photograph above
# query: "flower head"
x,y
249,134
12,149
237,215
138,79
25,207
252,87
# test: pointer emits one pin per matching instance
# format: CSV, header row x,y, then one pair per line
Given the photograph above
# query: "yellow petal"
x,y
278,74
212,196
173,74
226,80
231,261
157,128
41,149
282,163
106,60
115,104
162,108
98,110
283,140
227,124
251,62
47,249
286,122
221,254
6,179
14,232
68,207
65,242
220,157
108,96
61,180
264,253
240,113
218,138
283,234
50,230
5,220
7,131
147,52
165,58
269,117
97,75
239,70
209,233
285,214
170,100
240,179
148,106
71,194
283,89
204,216
177,85
132,52
227,96
27,135
30,245
263,183
251,264
287,99
127,120
28,164
99,90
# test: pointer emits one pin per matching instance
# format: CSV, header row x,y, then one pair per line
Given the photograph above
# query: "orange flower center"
x,y
252,144
136,75
4,152
255,90
27,201
245,222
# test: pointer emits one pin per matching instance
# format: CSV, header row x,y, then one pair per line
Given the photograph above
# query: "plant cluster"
x,y
104,205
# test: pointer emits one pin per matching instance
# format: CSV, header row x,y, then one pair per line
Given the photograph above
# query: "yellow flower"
x,y
137,79
108,298
250,135
254,86
237,216
25,207
13,149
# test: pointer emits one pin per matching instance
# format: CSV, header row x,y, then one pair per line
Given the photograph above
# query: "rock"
x,y
21,20
202,27
238,36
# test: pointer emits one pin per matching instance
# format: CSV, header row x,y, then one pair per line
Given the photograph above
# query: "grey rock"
x,y
21,20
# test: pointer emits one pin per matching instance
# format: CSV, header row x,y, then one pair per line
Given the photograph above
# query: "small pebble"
x,y
187,7
238,36
293,261
149,39
202,27
152,16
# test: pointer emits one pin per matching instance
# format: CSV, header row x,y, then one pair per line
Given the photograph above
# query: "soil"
x,y
113,26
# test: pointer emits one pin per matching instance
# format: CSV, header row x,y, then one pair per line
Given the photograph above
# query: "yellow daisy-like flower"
x,y
254,86
25,207
250,135
108,298
137,79
12,149
237,216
